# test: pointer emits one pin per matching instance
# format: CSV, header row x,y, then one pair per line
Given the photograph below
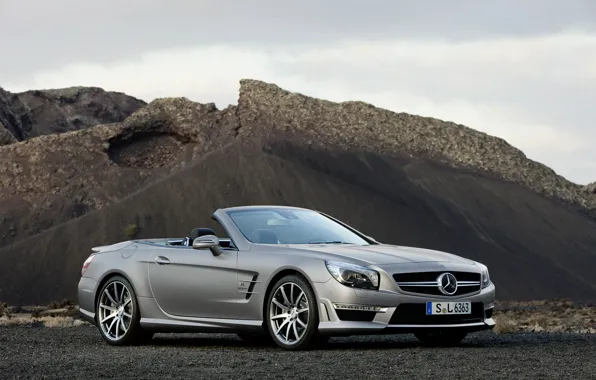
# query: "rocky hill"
x,y
54,178
42,112
166,167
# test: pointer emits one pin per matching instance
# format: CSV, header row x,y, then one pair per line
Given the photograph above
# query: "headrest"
x,y
201,232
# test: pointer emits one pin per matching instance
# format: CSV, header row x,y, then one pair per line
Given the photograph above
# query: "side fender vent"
x,y
251,286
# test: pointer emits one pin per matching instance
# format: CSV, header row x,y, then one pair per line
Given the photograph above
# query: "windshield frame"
x,y
366,240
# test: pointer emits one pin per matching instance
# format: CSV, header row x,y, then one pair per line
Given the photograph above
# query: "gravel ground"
x,y
79,353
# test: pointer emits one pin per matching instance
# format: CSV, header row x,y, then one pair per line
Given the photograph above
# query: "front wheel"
x,y
441,338
292,314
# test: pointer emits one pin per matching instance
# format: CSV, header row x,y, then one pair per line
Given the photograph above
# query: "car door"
x,y
193,282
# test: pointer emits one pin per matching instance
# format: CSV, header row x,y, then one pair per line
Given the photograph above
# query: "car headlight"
x,y
355,276
485,278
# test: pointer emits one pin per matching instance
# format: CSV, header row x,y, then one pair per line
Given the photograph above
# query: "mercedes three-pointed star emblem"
x,y
447,284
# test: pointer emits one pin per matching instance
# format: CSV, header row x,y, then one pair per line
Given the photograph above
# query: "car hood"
x,y
381,254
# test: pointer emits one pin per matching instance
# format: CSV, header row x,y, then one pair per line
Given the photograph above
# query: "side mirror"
x,y
210,242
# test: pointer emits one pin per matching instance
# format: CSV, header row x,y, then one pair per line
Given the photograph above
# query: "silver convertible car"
x,y
286,275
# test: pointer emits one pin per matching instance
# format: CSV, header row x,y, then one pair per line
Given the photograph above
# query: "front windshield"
x,y
291,226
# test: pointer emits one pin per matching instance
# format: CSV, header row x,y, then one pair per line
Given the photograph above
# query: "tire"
x,y
121,328
441,338
292,318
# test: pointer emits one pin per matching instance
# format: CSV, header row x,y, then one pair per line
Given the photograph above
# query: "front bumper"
x,y
391,311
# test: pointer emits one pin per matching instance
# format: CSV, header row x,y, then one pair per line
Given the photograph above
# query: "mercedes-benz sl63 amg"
x,y
287,275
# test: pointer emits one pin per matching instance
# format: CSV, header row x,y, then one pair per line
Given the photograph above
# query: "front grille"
x,y
426,282
415,314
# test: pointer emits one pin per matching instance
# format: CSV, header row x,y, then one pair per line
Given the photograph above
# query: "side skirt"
x,y
199,325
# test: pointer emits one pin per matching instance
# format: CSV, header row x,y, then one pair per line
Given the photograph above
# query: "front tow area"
x,y
356,314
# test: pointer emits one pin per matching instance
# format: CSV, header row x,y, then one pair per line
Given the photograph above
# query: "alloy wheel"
x,y
289,313
116,309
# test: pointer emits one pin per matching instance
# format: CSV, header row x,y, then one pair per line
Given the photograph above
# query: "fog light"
x,y
344,306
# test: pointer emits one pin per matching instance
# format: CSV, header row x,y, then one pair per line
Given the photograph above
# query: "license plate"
x,y
448,308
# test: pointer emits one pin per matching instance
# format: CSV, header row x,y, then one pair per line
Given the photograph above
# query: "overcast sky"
x,y
522,70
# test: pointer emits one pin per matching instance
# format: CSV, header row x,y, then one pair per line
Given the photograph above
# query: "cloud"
x,y
533,91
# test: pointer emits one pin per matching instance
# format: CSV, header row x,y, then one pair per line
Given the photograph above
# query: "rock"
x,y
42,112
5,136
10,108
591,188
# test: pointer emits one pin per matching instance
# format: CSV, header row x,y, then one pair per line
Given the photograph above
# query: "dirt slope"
x,y
525,239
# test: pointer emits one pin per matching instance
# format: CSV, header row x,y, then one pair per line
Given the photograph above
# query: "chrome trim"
x,y
422,283
435,283
454,325
383,328
176,241
351,306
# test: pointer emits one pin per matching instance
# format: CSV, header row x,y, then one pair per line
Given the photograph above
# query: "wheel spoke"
x,y
281,326
295,330
107,307
301,323
288,332
121,300
117,329
302,310
278,304
291,293
127,315
107,293
108,318
129,300
278,316
111,325
283,293
299,297
116,293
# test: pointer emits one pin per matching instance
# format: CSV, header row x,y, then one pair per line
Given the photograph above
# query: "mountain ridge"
x,y
172,162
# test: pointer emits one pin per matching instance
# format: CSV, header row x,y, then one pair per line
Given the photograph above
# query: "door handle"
x,y
161,260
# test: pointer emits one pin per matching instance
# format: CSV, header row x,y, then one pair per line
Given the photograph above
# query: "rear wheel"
x,y
117,314
441,338
292,314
